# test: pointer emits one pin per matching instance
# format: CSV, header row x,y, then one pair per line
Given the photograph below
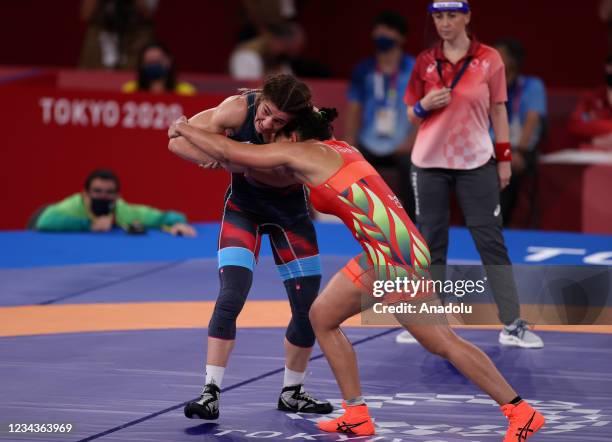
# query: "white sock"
x,y
359,400
214,374
293,377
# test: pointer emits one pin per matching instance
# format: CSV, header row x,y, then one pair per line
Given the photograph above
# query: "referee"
x,y
456,87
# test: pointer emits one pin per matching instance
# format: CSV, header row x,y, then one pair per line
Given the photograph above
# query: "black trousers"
x,y
477,192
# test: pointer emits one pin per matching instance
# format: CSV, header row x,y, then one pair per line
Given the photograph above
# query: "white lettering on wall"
x,y
108,113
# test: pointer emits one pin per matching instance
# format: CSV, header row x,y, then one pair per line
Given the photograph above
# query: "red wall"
x,y
566,43
58,125
47,152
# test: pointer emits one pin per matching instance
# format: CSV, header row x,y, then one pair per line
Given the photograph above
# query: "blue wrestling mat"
x,y
34,249
131,385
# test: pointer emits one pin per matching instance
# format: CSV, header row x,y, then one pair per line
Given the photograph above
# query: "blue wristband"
x,y
419,111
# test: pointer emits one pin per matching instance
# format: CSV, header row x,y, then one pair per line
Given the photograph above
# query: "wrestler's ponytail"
x,y
328,114
313,125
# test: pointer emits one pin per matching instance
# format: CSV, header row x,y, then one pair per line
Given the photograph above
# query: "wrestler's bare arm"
x,y
226,117
229,116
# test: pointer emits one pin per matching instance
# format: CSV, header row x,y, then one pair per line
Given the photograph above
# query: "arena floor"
x,y
107,333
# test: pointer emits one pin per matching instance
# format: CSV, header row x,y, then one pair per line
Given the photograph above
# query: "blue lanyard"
x,y
459,74
385,96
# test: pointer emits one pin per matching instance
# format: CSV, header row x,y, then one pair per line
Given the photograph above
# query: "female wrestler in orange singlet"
x,y
342,183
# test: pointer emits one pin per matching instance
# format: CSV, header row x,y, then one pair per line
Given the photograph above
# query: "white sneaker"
x,y
405,338
518,334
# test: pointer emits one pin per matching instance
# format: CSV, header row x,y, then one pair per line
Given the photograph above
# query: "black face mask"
x,y
609,80
101,206
384,44
155,71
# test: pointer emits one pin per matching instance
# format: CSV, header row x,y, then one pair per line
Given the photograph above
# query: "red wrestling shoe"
x,y
525,421
355,420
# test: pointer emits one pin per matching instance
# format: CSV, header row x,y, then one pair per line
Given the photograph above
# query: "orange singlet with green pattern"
x,y
358,195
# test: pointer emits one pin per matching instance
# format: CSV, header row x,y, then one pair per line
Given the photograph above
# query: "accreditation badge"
x,y
386,119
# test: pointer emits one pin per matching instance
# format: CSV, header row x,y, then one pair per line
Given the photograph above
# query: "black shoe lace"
x,y
521,327
302,395
348,428
207,391
524,431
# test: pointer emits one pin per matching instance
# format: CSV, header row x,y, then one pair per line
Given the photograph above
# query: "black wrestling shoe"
x,y
295,399
207,407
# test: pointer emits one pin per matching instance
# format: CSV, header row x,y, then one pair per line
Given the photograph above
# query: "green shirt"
x,y
70,214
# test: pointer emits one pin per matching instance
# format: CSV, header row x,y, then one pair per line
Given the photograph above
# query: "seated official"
x,y
99,208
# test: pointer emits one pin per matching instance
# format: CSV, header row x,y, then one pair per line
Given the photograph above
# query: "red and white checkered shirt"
x,y
457,136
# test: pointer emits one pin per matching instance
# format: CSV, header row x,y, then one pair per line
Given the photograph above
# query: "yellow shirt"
x,y
182,88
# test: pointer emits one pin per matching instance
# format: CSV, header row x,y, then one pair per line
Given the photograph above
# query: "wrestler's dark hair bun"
x,y
329,114
312,124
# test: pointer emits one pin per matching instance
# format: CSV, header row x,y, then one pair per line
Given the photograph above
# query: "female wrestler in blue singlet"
x,y
253,208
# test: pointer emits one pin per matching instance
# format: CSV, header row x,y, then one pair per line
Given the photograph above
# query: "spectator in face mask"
x,y
156,72
376,116
99,208
592,118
